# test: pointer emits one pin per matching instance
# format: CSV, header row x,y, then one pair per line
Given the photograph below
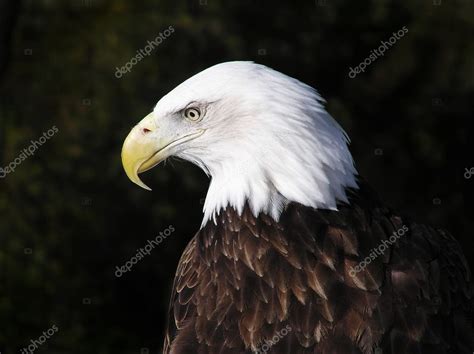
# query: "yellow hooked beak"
x,y
145,147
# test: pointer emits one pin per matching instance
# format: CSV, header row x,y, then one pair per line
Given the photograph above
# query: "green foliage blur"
x,y
68,213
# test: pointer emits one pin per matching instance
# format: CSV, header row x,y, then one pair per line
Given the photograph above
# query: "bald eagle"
x,y
295,253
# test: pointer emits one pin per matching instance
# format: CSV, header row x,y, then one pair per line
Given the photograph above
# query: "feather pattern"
x,y
241,282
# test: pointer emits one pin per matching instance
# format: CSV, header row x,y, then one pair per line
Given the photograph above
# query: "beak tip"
x,y
138,182
137,150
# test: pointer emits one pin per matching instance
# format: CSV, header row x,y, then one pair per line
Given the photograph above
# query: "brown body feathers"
x,y
320,281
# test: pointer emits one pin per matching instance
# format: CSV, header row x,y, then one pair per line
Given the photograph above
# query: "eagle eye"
x,y
192,113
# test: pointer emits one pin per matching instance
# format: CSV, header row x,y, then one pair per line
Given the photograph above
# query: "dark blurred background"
x,y
68,213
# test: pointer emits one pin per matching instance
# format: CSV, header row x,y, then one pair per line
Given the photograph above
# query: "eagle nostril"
x,y
146,130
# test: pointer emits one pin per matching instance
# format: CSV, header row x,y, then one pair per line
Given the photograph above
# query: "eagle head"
x,y
263,137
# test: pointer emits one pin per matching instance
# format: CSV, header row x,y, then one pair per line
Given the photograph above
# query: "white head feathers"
x,y
268,140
